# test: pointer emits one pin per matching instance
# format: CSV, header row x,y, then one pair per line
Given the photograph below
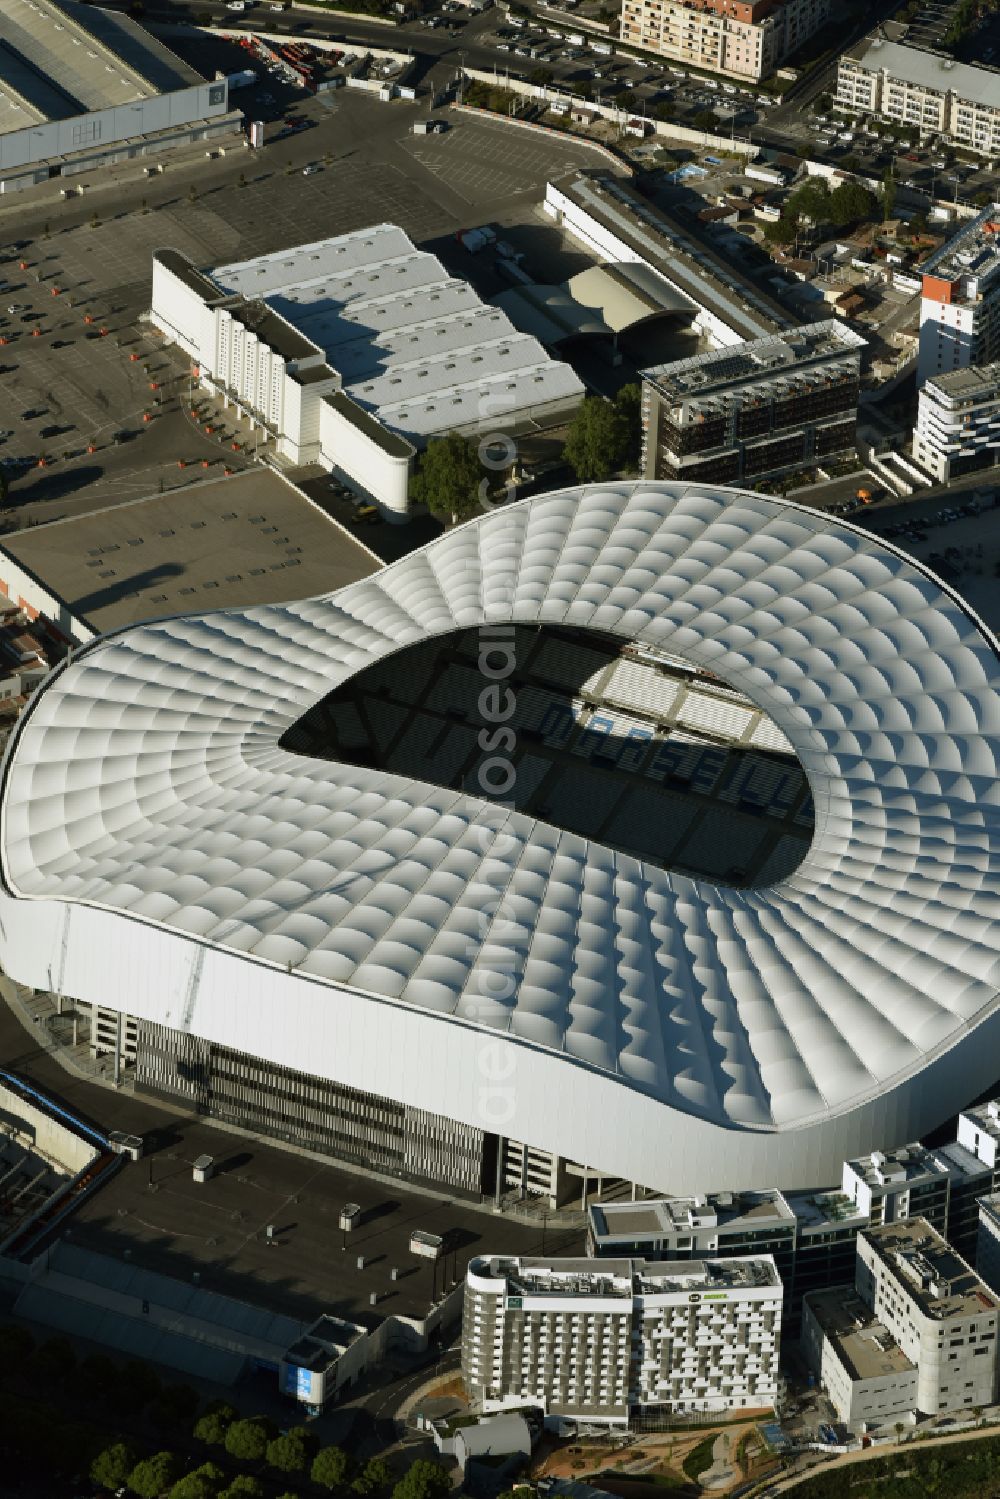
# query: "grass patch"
x,y
699,1458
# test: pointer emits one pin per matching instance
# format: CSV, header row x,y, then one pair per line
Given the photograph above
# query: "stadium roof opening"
x,y
639,748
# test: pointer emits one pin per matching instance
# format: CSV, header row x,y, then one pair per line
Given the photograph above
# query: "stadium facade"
x,y
712,945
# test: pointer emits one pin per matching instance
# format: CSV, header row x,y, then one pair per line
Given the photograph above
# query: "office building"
x,y
943,1317
600,1340
353,352
960,300
892,1185
744,39
82,87
856,1359
929,91
754,410
958,422
720,1225
263,832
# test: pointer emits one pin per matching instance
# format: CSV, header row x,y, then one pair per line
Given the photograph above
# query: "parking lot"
x,y
81,387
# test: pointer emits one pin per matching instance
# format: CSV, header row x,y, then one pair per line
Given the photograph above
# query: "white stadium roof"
x,y
164,855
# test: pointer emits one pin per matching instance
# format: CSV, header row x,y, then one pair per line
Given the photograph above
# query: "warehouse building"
x,y
617,225
82,87
603,1340
353,352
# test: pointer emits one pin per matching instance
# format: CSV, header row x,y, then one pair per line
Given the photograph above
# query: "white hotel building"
x,y
960,300
600,1340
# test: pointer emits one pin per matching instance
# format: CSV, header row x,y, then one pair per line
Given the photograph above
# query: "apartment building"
x,y
744,39
960,300
928,91
941,1314
958,422
603,1340
890,1186
754,410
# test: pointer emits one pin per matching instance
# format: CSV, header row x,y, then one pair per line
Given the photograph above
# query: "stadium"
x,y
642,829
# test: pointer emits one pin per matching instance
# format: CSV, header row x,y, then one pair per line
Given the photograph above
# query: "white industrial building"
x,y
601,1340
81,87
958,422
617,225
291,882
960,300
353,351
885,79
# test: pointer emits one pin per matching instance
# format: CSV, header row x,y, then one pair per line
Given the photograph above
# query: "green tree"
x,y
246,1487
154,1475
329,1468
448,478
705,119
811,200
375,1475
111,1468
888,196
596,441
248,1439
211,1427
665,109
423,1480
287,1454
202,1483
850,203
628,404
4,493
824,104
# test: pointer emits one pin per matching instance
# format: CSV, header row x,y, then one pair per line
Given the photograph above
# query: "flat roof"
x,y
653,1220
59,59
863,1345
974,383
389,442
180,266
785,358
931,70
974,251
931,1273
249,539
890,1168
628,1277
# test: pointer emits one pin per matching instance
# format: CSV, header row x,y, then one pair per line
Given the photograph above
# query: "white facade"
x,y
162,854
354,351
857,1361
941,1314
908,1182
960,300
596,1339
958,422
928,91
744,39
